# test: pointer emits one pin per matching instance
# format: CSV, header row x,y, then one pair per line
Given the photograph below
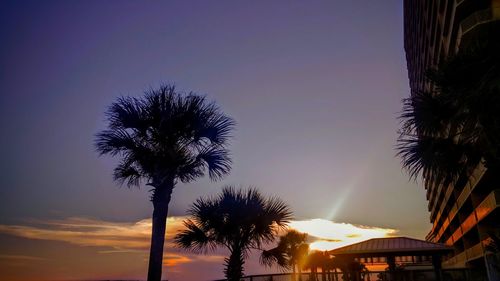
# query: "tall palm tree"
x,y
447,130
290,253
239,220
164,138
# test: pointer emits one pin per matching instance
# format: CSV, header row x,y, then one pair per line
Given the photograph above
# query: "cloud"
x,y
114,237
328,235
175,259
121,237
21,258
16,261
130,237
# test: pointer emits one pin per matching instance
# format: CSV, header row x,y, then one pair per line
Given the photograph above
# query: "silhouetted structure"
x,y
465,212
394,251
404,275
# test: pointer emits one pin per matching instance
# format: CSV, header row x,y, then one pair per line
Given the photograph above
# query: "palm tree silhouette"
x,y
449,129
313,261
163,138
239,220
332,263
290,252
327,263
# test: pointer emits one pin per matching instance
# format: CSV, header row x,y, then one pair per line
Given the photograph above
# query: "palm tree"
x,y
449,129
314,260
164,138
290,252
352,270
332,264
239,220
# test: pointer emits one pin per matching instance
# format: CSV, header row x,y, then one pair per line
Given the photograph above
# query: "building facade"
x,y
463,215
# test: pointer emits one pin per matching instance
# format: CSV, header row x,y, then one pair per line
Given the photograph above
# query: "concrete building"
x,y
463,214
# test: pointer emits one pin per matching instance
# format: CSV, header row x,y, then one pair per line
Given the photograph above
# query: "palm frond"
x,y
277,210
217,160
445,131
427,114
126,172
275,256
239,219
218,129
442,158
194,238
127,113
114,142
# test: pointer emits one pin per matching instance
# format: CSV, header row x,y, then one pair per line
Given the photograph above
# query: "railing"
x,y
475,251
456,261
460,274
473,180
467,255
491,202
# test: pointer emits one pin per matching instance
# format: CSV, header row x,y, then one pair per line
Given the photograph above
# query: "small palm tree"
x,y
332,264
164,138
290,253
239,220
352,270
315,260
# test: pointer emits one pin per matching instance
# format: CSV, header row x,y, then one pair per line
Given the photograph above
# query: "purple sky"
x,y
315,87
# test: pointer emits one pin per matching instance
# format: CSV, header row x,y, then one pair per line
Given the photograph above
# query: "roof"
x,y
391,245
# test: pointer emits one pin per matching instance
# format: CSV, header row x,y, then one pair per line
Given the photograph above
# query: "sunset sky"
x,y
315,87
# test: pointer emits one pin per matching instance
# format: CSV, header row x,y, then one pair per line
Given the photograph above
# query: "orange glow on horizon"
x,y
108,245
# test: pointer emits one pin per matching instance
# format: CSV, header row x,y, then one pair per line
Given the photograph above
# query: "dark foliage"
x,y
448,130
291,250
239,220
166,134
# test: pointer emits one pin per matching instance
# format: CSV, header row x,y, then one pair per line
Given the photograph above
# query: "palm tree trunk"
x,y
299,267
294,274
161,198
234,265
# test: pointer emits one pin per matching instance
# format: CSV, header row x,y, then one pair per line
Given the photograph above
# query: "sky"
x,y
314,86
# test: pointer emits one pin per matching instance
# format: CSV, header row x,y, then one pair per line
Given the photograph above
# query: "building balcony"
x,y
470,254
490,203
439,228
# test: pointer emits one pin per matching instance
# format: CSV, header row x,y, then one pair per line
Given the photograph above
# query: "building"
x,y
465,214
434,29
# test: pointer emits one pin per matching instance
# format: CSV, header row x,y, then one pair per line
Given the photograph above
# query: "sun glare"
x,y
328,235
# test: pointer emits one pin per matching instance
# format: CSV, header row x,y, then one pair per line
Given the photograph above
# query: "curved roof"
x,y
402,245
